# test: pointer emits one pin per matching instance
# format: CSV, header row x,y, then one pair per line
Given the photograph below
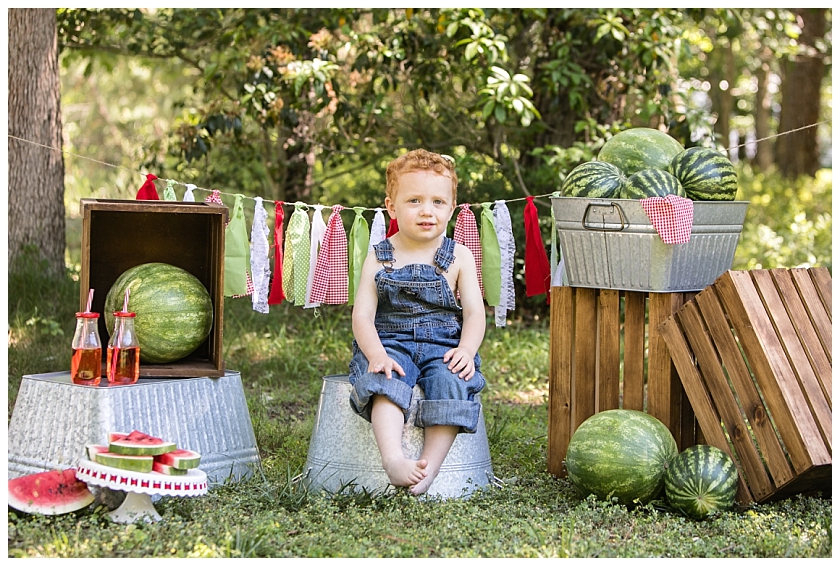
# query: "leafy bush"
x,y
788,223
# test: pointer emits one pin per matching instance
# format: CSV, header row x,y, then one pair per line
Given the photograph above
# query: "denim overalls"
x,y
418,321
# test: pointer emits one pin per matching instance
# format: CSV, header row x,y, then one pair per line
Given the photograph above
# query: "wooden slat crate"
x,y
592,332
753,352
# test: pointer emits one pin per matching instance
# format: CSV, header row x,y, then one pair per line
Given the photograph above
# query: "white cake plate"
x,y
139,488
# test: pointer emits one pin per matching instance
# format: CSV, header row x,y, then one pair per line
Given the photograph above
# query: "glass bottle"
x,y
123,362
86,361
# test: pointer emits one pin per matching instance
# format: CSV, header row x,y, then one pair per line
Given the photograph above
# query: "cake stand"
x,y
139,488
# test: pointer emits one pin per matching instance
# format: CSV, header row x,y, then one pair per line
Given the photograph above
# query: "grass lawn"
x,y
282,357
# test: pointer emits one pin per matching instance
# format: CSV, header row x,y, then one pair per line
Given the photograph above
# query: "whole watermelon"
x,y
640,148
620,453
701,481
705,174
593,179
174,310
651,183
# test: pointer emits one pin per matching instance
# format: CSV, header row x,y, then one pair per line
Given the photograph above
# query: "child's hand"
x,y
385,365
460,360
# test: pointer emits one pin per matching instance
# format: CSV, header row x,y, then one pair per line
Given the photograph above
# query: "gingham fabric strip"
x,y
276,295
259,257
507,250
357,249
377,229
466,233
537,270
296,259
316,239
169,190
491,261
331,278
215,197
672,217
236,252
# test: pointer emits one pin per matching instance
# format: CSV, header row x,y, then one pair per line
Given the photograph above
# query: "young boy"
x,y
409,328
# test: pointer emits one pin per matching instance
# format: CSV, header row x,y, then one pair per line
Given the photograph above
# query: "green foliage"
x,y
788,223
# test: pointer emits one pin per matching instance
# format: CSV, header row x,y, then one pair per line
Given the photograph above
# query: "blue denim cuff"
x,y
370,384
451,412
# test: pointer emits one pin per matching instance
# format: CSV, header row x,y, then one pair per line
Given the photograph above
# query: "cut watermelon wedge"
x,y
168,470
138,443
180,459
49,493
132,463
93,449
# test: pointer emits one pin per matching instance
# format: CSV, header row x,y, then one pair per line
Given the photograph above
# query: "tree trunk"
x,y
797,153
36,174
763,149
726,102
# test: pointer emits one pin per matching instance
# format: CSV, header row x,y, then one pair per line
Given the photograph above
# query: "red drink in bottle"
x,y
123,361
86,361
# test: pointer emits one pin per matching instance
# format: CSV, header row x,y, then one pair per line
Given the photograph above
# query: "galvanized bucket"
x,y
343,454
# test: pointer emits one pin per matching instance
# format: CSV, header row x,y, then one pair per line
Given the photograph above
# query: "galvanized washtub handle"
x,y
624,223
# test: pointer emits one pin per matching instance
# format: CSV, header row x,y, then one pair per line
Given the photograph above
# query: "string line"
x,y
364,208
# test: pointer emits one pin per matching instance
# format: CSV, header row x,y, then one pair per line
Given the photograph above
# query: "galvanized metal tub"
x,y
611,244
54,419
343,452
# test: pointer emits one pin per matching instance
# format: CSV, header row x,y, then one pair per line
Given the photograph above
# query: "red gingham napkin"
x,y
466,233
672,216
331,277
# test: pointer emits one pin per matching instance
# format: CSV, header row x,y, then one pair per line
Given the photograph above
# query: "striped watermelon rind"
x,y
701,481
181,459
636,149
651,183
174,310
132,463
168,470
622,454
593,179
705,174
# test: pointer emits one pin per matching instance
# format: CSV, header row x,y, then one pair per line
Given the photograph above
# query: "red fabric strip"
x,y
276,295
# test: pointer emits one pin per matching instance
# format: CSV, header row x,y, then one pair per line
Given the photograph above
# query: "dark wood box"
x,y
120,234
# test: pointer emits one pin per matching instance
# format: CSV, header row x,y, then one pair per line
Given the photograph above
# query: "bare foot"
x,y
424,485
403,472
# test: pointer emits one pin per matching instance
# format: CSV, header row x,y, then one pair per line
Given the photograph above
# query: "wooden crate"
x,y
592,332
120,234
753,352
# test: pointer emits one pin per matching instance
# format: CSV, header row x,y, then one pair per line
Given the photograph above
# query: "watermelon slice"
x,y
180,459
168,470
132,463
49,493
138,443
93,449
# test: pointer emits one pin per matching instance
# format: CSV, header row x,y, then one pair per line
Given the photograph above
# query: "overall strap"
x,y
445,254
385,254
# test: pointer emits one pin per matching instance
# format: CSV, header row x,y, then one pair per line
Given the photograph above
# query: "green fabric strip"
x,y
491,257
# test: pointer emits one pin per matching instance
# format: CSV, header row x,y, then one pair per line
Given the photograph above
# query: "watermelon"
x,y
93,449
181,459
651,183
132,463
49,493
593,179
174,310
168,470
705,174
701,481
620,454
138,443
640,148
